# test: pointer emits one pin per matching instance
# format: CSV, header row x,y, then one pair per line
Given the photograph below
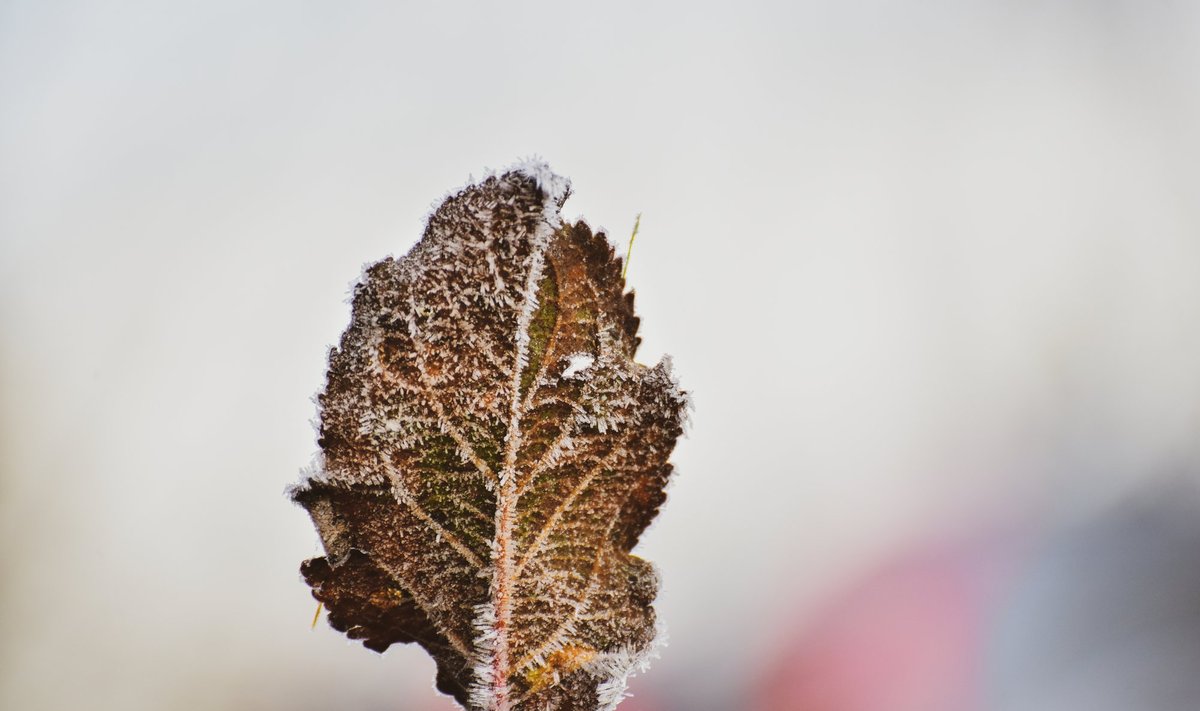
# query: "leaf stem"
x,y
502,596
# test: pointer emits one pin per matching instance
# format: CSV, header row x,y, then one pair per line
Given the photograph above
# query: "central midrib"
x,y
506,492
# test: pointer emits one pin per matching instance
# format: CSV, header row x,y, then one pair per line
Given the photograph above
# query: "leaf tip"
x,y
555,187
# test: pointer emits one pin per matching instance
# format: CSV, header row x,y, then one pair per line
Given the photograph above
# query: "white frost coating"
x,y
552,184
618,666
352,287
577,363
666,367
314,472
485,647
613,241
555,186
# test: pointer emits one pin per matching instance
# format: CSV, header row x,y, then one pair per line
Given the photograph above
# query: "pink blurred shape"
x,y
905,637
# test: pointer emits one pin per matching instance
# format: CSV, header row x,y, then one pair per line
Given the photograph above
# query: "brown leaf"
x,y
491,454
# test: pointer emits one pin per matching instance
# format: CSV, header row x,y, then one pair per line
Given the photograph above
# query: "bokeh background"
x,y
930,268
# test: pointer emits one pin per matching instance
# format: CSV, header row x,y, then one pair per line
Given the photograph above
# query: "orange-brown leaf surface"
x,y
491,453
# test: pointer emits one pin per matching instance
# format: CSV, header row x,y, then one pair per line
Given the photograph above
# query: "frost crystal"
x,y
577,363
490,454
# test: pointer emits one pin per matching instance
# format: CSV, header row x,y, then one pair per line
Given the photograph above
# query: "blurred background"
x,y
930,268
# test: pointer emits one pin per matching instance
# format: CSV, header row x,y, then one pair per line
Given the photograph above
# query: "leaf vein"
x,y
404,496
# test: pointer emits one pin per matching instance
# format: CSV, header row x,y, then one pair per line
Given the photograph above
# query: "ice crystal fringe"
x,y
620,666
482,690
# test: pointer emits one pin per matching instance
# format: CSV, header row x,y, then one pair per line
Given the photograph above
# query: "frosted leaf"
x,y
490,454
